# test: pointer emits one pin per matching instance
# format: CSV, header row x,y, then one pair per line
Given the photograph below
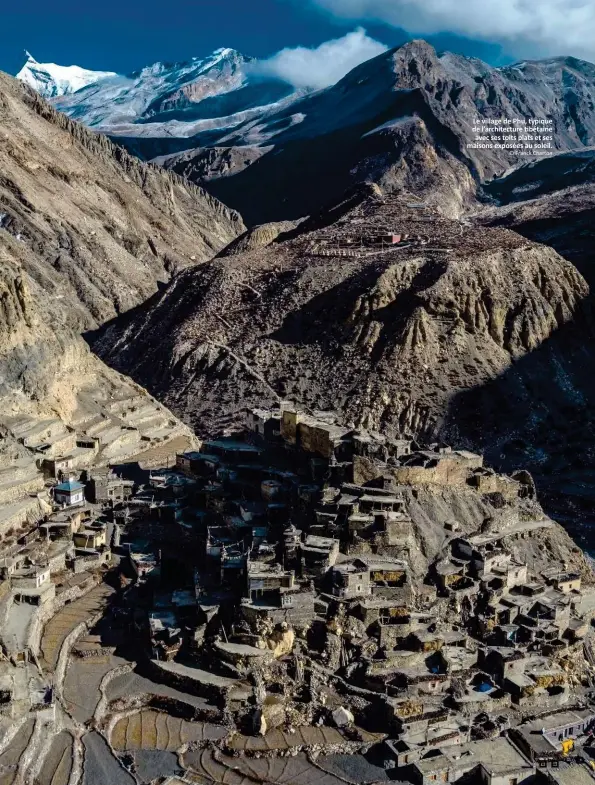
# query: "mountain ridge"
x,y
122,234
404,106
387,337
395,119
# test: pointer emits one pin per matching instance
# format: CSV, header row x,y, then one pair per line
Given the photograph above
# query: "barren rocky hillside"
x,y
394,337
101,229
86,232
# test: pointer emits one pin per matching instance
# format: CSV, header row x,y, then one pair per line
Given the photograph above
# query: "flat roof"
x,y
383,564
71,485
434,763
559,719
571,774
195,674
388,499
497,755
233,444
242,649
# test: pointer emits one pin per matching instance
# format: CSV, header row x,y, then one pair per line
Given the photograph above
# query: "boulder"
x,y
342,717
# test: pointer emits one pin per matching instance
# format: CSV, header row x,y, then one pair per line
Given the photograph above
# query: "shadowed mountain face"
x,y
396,339
549,396
551,200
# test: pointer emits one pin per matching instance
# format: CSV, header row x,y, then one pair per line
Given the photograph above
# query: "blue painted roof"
x,y
71,485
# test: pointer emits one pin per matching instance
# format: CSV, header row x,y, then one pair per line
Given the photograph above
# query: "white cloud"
x,y
324,65
545,26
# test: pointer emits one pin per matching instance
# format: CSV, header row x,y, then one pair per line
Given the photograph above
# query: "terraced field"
x,y
134,684
207,768
100,766
281,740
154,730
58,762
296,770
81,684
69,617
355,768
9,760
153,764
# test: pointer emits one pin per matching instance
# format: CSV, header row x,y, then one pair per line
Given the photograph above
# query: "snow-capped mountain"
x,y
160,88
169,100
51,80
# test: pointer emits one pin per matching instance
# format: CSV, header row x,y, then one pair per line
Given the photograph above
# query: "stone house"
x,y
318,553
264,423
108,488
268,584
350,580
91,537
549,738
565,582
69,493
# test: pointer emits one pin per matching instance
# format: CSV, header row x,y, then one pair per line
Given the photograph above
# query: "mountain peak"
x,y
225,52
51,80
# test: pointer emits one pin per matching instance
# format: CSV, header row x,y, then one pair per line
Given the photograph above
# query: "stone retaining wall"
x,y
13,493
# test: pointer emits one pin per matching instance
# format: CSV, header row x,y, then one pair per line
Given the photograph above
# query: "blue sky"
x,y
123,35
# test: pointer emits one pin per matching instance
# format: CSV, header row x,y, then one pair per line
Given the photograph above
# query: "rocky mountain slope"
x,y
86,232
394,337
103,229
550,200
176,100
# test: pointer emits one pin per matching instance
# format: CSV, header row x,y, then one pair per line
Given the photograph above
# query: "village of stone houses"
x,y
298,602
